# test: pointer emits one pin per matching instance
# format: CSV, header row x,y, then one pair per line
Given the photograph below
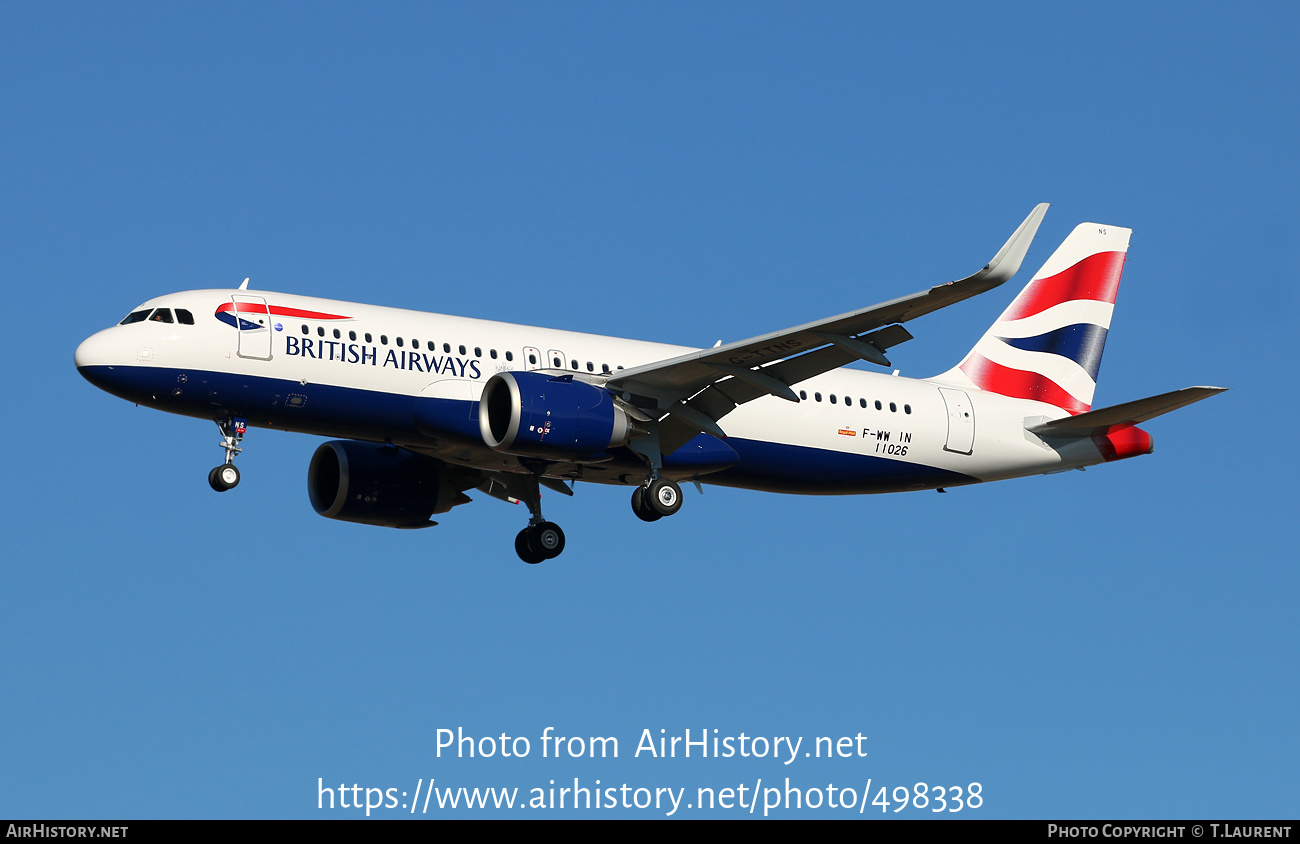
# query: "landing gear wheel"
x,y
664,497
545,538
639,507
224,477
525,553
542,541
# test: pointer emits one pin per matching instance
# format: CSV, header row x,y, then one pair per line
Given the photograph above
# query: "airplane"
x,y
426,407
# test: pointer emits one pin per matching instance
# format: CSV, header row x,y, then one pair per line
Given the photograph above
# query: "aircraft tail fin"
x,y
1047,345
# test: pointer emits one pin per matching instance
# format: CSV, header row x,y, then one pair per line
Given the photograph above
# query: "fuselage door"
x,y
961,421
253,321
532,359
555,359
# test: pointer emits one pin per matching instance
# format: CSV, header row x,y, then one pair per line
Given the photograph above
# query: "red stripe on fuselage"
x,y
277,310
1095,277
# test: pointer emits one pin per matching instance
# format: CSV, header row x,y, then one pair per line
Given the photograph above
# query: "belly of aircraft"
x,y
433,424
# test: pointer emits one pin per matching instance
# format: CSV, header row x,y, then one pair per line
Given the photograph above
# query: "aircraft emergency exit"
x,y
427,407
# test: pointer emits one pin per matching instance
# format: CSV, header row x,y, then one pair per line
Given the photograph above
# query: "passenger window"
x,y
369,339
446,348
591,367
907,408
320,331
803,394
878,405
432,346
893,408
184,317
493,352
135,316
352,335
862,403
306,330
462,349
399,342
832,397
511,355
817,396
478,352
337,335
383,339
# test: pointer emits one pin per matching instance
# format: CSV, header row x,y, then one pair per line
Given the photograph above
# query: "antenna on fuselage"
x,y
244,286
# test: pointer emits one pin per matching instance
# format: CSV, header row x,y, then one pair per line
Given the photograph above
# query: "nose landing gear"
x,y
226,476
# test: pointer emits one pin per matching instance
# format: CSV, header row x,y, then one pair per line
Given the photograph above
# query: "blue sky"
x,y
1120,642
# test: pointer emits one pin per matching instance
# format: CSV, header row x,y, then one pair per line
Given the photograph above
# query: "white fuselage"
x,y
380,374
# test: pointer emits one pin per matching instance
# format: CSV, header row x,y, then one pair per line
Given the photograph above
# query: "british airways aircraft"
x,y
428,406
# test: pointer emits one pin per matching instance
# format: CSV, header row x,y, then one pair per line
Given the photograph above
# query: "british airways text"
x,y
370,355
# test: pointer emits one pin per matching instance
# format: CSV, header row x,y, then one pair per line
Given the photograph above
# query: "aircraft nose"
x,y
101,361
95,350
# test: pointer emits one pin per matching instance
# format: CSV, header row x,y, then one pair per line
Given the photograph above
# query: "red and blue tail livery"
x,y
1047,345
427,410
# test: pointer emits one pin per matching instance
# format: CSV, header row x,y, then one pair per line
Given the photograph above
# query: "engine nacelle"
x,y
377,485
540,415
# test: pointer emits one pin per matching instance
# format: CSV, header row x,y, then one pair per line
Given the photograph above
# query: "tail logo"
x,y
1047,345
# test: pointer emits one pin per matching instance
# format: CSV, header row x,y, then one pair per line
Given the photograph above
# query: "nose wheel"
x,y
226,476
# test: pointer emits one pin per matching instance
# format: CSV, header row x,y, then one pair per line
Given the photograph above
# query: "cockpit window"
x,y
162,315
184,317
136,316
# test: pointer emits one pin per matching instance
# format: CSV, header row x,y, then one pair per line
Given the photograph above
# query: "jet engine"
x,y
539,415
378,485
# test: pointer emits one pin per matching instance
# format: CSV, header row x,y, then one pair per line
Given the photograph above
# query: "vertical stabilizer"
x,y
1047,345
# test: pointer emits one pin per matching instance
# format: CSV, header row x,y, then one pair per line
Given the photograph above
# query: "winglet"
x,y
1006,263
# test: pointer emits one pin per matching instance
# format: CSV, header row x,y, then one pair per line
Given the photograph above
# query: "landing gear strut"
x,y
541,540
656,499
226,476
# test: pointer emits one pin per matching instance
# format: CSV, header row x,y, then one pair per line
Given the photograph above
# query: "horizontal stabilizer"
x,y
1129,413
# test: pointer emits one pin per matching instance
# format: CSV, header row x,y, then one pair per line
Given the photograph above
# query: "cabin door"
x,y
961,421
253,320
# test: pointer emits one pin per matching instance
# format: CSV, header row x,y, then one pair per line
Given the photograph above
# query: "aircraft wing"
x,y
699,388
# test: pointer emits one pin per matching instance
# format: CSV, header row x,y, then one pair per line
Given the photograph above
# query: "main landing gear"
x,y
226,476
541,540
656,499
